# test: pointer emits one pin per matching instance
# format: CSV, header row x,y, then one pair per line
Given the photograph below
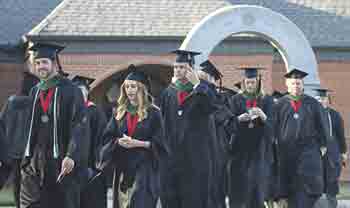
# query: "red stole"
x,y
295,105
251,103
45,102
131,121
181,96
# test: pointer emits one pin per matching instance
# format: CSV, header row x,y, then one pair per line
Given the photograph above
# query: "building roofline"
x,y
36,38
97,37
49,18
116,38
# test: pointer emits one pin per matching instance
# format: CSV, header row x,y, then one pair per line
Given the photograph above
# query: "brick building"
x,y
104,36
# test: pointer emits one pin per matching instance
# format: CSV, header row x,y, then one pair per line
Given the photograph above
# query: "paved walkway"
x,y
341,203
344,204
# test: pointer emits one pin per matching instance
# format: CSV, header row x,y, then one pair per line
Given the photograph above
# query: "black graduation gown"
x,y
2,136
13,117
222,117
272,167
247,163
137,168
95,194
335,147
17,108
40,166
338,130
299,141
188,134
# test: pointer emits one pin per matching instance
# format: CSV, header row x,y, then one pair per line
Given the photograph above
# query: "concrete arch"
x,y
282,33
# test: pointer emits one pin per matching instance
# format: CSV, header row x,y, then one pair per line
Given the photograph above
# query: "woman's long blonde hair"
x,y
142,99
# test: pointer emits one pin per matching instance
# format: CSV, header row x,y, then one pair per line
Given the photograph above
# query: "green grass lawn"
x,y
6,197
344,191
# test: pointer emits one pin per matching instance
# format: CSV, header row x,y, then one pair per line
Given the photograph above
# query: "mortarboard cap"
x,y
250,72
183,56
209,68
82,80
226,90
46,50
321,92
296,74
136,75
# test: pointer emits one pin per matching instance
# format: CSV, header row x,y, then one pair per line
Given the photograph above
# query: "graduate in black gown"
x,y
272,163
12,141
133,145
210,75
187,106
336,155
95,194
252,133
55,149
13,116
302,133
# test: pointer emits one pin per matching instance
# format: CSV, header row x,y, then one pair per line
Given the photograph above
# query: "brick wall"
x,y
10,78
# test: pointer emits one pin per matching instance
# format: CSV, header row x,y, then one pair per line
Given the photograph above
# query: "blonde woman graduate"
x,y
133,145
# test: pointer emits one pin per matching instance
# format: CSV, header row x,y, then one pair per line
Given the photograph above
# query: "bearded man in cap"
x,y
54,152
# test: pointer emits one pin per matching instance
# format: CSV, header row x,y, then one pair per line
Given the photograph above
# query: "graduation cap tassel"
x,y
26,58
259,84
191,63
149,91
60,70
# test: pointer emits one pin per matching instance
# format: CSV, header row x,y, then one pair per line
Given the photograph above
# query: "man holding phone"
x,y
251,136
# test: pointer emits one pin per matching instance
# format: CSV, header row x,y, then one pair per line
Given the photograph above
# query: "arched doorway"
x,y
105,89
283,34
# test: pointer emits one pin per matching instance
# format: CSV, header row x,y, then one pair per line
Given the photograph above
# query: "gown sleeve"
x,y
322,124
77,147
339,130
108,146
158,147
